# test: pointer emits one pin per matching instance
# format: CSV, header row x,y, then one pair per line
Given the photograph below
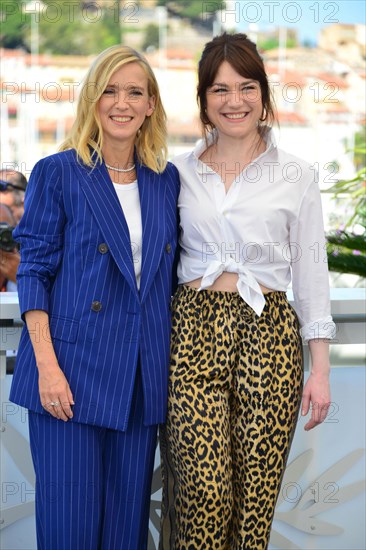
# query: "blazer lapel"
x,y
152,199
103,201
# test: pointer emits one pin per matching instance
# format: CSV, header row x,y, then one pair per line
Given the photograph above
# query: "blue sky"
x,y
307,16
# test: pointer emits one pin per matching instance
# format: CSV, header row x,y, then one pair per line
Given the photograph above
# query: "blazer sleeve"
x,y
40,234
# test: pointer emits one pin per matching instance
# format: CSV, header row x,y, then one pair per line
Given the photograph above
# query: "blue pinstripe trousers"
x,y
93,484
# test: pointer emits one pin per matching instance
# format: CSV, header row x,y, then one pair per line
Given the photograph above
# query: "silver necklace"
x,y
120,169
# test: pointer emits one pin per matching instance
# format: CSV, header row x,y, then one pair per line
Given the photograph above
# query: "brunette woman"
x,y
251,220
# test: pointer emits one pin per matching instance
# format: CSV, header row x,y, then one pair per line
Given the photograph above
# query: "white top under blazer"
x,y
129,198
268,228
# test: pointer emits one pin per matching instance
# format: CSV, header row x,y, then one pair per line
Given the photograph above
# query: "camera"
x,y
7,242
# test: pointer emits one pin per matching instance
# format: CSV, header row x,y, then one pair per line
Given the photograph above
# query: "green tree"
x,y
346,246
66,28
14,24
151,36
191,8
268,44
272,42
63,27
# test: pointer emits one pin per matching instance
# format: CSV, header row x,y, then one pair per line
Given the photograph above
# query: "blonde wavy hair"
x,y
86,134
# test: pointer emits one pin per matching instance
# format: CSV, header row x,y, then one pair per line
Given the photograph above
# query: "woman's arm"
x,y
40,234
310,281
317,388
53,386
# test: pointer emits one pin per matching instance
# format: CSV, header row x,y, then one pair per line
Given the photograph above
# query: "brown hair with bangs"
x,y
243,56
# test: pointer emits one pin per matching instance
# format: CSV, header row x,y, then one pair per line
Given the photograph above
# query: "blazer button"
x,y
103,248
168,248
96,306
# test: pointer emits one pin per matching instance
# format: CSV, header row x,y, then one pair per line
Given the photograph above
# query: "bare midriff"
x,y
225,283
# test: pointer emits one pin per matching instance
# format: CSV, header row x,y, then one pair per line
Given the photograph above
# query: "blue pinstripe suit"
x,y
76,264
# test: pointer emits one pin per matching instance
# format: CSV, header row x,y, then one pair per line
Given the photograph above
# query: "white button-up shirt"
x,y
268,228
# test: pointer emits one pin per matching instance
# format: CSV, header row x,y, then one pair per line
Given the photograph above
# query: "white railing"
x,y
322,499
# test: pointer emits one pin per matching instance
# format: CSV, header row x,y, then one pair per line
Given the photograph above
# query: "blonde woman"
x,y
98,238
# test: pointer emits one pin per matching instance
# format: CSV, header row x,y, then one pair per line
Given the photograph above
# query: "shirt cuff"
x,y
320,329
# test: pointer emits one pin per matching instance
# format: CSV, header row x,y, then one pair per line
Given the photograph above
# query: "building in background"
x,y
320,100
347,42
319,92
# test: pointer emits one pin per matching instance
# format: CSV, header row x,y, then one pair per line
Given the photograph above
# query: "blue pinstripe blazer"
x,y
99,322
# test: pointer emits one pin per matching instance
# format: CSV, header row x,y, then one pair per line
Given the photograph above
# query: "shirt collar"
x,y
203,144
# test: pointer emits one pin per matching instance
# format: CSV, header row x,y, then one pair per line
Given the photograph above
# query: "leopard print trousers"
x,y
234,395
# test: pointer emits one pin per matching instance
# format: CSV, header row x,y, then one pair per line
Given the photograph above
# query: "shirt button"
x,y
168,248
96,306
103,248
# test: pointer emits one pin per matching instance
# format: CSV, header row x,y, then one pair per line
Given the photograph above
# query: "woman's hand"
x,y
316,393
54,391
317,388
